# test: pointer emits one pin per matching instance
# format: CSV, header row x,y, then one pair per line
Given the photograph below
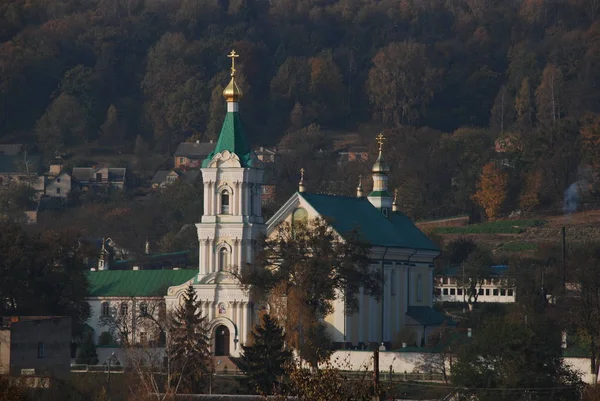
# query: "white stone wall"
x,y
407,362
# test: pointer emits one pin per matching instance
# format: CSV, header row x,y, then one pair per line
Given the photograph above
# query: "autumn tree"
x,y
491,190
401,83
63,125
530,197
327,384
502,113
524,105
590,141
310,265
548,95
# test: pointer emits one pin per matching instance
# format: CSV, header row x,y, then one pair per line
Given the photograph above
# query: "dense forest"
x,y
455,85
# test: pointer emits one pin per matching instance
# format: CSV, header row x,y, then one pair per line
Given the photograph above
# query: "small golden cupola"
x,y
395,204
380,197
380,165
359,189
232,92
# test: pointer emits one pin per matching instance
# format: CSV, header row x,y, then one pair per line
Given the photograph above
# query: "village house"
x,y
35,345
191,154
162,178
98,177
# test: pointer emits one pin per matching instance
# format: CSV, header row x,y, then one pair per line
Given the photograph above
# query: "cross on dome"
x,y
380,138
233,55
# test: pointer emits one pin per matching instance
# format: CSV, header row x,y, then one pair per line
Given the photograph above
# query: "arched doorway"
x,y
222,341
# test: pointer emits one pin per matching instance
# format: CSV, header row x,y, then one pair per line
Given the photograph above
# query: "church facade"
x,y
228,235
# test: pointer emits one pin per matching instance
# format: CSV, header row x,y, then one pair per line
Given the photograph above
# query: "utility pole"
x,y
375,374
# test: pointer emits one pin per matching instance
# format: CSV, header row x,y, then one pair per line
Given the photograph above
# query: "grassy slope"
x,y
523,236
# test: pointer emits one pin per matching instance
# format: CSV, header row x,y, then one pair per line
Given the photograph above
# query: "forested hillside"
x,y
455,85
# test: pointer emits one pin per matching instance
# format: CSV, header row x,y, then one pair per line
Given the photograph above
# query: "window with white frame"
x,y
124,308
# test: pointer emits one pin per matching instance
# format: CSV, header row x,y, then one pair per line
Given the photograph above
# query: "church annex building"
x,y
231,225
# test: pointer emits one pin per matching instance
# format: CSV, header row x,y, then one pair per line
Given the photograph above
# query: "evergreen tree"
x,y
189,345
264,361
87,354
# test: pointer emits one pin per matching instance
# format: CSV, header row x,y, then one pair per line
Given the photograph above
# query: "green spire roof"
x,y
232,138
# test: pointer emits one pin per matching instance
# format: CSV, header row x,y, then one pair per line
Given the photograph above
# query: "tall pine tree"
x,y
265,360
189,343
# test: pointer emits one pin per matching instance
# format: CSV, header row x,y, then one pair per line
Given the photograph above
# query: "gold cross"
x,y
380,138
302,174
233,55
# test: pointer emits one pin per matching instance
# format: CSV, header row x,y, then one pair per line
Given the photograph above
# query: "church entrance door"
x,y
222,341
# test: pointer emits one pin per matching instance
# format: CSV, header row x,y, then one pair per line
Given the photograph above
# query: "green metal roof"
x,y
428,316
347,213
232,139
136,283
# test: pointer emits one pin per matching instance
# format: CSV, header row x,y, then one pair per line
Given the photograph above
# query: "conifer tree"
x,y
87,354
189,343
264,362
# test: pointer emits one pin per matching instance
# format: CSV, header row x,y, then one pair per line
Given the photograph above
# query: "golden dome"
x,y
232,92
380,165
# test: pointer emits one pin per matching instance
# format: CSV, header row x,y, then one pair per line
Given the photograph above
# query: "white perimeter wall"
x,y
402,362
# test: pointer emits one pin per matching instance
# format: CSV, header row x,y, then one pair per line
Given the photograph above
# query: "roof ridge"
x,y
334,195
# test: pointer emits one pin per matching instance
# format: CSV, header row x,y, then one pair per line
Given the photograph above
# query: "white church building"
x,y
229,231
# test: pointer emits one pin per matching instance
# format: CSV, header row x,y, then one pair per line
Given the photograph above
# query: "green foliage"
x,y
105,338
264,361
496,227
459,250
87,354
42,274
189,345
508,354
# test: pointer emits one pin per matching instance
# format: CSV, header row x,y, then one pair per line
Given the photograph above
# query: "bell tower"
x,y
232,179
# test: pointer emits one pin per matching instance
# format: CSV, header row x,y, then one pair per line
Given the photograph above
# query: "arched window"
x,y
225,202
143,309
299,219
419,288
124,308
105,308
223,256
